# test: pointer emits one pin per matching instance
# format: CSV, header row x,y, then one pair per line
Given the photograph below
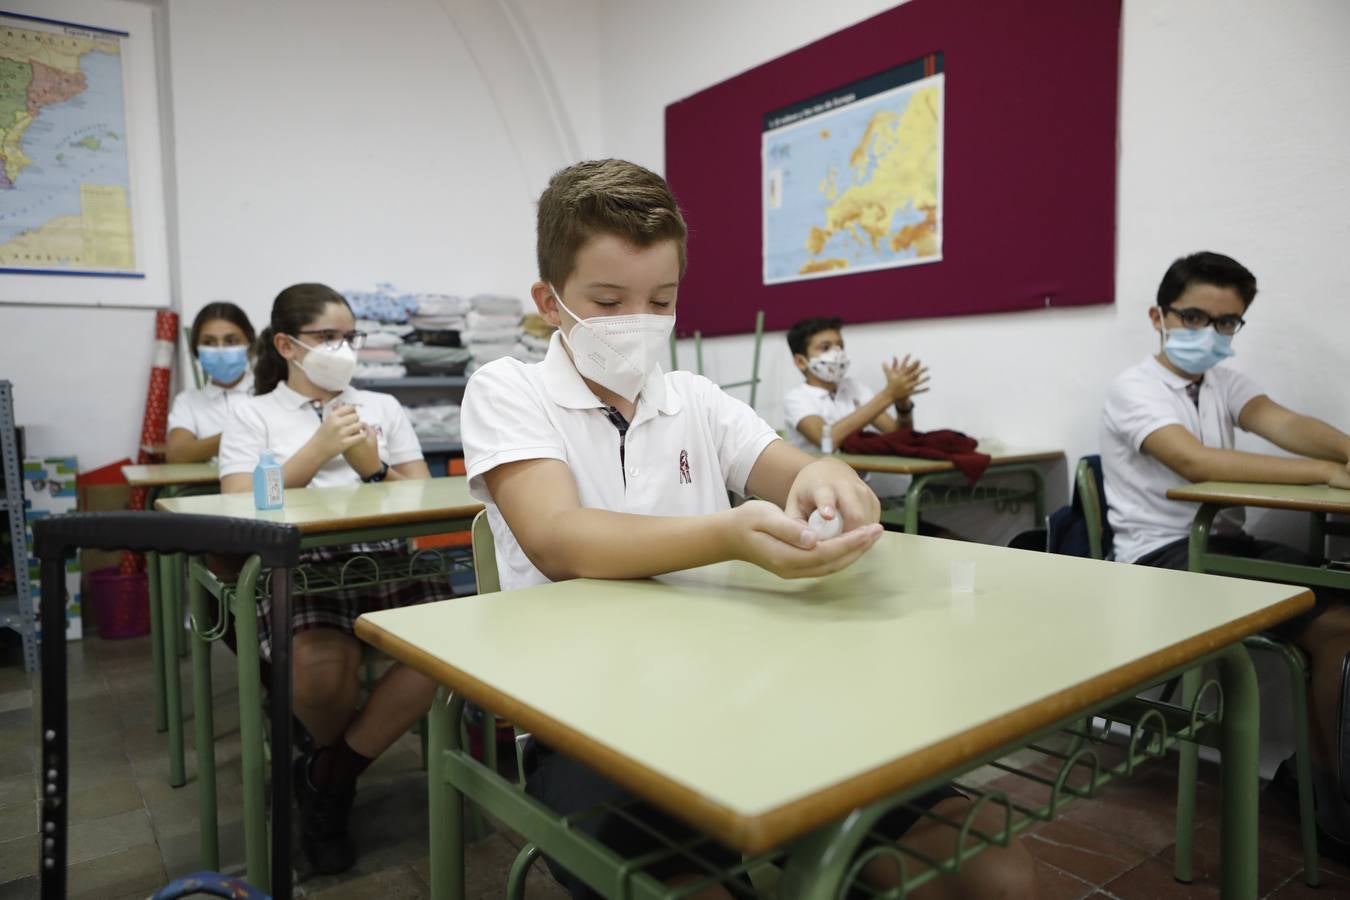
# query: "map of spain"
x,y
853,184
64,177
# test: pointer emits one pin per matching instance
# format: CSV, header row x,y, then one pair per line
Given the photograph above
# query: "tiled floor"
x,y
130,832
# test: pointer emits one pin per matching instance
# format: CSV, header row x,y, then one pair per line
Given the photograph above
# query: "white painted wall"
x,y
346,142
1233,129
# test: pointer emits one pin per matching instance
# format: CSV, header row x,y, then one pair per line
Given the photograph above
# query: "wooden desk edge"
x,y
379,520
1236,499
758,833
932,466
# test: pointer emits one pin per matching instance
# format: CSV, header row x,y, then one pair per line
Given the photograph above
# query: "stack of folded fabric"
x,y
384,304
492,327
534,338
439,319
435,422
429,359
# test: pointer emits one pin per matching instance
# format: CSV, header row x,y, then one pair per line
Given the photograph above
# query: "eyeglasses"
x,y
332,339
1196,319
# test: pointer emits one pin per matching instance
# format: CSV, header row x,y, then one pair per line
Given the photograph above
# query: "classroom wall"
x,y
1233,126
344,141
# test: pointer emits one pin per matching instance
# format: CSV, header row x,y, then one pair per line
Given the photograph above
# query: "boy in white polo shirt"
x,y
1169,420
596,463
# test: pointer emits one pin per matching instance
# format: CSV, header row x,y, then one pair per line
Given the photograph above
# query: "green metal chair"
x,y
195,367
1183,869
752,382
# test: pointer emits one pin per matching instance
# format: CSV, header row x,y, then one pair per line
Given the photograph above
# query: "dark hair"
x,y
799,335
1206,268
220,309
604,196
294,308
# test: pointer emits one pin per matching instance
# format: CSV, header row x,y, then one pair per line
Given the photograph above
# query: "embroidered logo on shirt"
x,y
685,477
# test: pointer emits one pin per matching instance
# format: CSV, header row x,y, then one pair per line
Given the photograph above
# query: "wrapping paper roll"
x,y
156,416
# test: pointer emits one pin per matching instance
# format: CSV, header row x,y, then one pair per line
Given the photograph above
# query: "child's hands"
x,y
364,455
905,378
833,488
339,430
1340,477
772,540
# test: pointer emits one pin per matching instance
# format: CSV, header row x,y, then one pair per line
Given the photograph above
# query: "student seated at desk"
x,y
1169,420
596,463
326,433
829,406
221,339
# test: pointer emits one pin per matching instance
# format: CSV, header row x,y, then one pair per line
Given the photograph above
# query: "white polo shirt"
x,y
205,410
806,400
283,421
687,445
1141,400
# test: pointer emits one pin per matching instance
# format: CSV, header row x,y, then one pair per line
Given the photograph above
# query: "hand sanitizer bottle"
x,y
268,483
826,441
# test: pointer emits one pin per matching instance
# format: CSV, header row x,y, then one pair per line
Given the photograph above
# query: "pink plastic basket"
x,y
121,603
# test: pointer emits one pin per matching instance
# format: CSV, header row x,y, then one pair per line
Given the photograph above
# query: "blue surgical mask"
x,y
1197,351
223,365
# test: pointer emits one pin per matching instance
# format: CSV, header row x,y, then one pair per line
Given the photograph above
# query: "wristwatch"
x,y
378,474
906,409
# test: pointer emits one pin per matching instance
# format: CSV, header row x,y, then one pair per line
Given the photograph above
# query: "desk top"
x,y
1307,497
317,510
759,709
913,465
170,474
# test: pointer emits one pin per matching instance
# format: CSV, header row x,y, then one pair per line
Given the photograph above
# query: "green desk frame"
x,y
822,864
238,599
945,490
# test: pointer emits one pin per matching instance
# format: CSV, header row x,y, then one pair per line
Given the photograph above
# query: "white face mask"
x,y
618,352
328,369
830,366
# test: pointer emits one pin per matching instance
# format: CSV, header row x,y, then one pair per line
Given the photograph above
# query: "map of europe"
x,y
65,183
854,184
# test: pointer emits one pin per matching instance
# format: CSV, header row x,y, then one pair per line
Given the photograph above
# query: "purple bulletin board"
x,y
1027,211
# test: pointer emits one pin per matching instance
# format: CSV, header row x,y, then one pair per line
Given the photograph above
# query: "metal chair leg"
x,y
1183,869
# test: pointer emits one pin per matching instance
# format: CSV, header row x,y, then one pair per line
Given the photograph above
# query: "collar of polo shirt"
x,y
1171,379
568,389
290,398
243,386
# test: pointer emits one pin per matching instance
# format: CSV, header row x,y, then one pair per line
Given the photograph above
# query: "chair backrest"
x,y
1088,495
752,382
194,365
484,555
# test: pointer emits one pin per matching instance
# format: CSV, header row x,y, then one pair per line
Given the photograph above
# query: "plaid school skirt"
x,y
340,608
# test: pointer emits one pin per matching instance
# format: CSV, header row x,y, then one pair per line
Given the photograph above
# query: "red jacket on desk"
x,y
957,448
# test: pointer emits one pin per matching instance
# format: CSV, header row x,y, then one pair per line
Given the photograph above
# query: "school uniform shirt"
x,y
283,421
688,444
806,400
205,410
1141,400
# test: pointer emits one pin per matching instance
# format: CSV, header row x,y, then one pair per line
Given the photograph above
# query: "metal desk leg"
x,y
446,804
281,733
1241,778
156,640
170,567
1317,535
912,500
203,715
1188,765
251,726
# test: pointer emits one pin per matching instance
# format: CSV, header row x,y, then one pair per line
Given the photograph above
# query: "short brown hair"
x,y
603,196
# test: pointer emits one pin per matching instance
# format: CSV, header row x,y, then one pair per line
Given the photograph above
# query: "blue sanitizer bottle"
x,y
268,483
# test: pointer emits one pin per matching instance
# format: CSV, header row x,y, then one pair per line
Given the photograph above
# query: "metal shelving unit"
x,y
16,610
410,381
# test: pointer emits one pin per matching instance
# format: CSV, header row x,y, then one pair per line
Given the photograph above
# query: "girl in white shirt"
x,y
222,338
325,433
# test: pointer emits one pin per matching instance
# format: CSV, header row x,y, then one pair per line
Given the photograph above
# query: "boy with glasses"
x,y
1170,420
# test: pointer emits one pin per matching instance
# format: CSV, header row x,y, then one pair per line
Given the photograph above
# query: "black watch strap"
x,y
377,475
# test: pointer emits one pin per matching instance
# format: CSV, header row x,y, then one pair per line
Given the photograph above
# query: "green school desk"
x,y
165,584
764,711
326,517
933,485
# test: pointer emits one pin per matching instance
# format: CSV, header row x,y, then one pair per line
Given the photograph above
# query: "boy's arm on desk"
x,y
538,499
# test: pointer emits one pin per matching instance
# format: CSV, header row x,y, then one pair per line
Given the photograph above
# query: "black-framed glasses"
x,y
1196,319
332,339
